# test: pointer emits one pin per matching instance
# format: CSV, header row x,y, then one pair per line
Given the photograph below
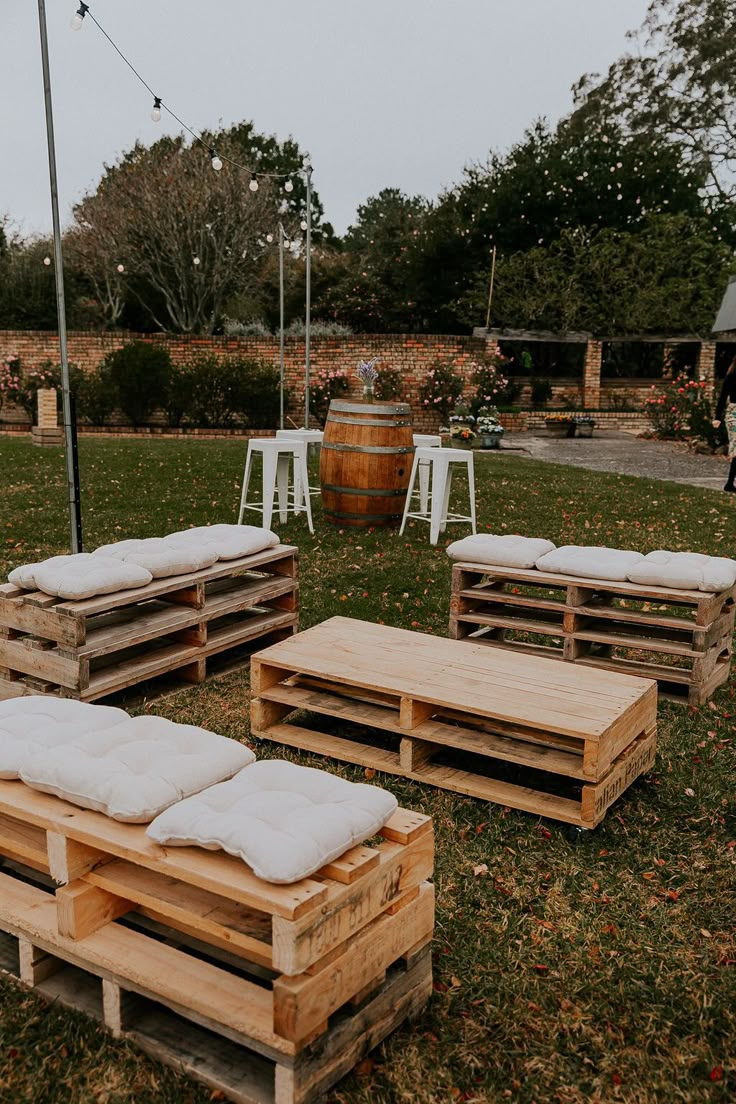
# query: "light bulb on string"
x,y
287,243
47,261
269,238
215,160
156,109
303,224
288,186
196,261
78,18
253,184
121,268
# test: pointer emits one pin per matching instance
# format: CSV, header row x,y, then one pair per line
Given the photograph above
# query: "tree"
x,y
678,87
187,237
665,276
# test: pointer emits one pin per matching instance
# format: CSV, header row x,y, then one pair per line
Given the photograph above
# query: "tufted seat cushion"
x,y
613,564
283,820
159,556
685,571
502,551
130,768
84,575
227,542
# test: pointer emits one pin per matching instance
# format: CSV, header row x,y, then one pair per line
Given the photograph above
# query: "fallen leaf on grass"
x,y
716,1074
689,792
705,933
480,870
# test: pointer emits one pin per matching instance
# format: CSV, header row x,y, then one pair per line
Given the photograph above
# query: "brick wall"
x,y
411,355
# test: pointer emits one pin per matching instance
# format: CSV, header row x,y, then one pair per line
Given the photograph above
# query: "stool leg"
x,y
409,494
300,490
471,489
423,486
269,486
446,501
246,481
282,483
300,463
439,497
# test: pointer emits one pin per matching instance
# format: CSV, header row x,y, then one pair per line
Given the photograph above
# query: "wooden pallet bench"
x,y
562,742
266,992
681,638
92,648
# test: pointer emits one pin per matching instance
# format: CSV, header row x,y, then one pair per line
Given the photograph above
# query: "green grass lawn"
x,y
596,971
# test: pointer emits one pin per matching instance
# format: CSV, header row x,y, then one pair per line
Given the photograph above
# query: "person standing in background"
x,y
726,412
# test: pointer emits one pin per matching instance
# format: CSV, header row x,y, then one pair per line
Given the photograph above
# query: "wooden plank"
x,y
403,864
17,614
45,665
35,963
520,624
301,1004
637,759
83,908
266,561
147,966
643,643
211,870
19,840
69,859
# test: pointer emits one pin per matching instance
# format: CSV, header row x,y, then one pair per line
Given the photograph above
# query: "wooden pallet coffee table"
x,y
560,741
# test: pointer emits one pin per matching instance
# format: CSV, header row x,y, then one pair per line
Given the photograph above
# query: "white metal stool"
x,y
312,437
440,461
277,454
425,440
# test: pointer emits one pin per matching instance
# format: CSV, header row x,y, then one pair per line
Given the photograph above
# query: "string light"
x,y
269,238
215,160
156,110
303,224
196,261
288,186
253,185
121,268
47,261
78,19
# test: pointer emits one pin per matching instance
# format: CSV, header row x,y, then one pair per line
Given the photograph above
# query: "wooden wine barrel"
x,y
365,464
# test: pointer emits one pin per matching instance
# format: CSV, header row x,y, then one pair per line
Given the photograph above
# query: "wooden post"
x,y
47,432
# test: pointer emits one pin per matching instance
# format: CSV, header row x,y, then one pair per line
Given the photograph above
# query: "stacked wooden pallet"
x,y
95,647
559,742
681,638
269,993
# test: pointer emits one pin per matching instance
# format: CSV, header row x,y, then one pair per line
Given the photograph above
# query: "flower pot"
x,y
559,429
585,429
490,440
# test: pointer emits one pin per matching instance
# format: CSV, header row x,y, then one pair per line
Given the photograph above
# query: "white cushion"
x,y
85,575
613,564
229,542
25,575
685,571
130,768
160,556
283,820
503,551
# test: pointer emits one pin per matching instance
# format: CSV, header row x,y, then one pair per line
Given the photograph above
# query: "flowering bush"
x,y
19,387
441,388
325,385
679,408
389,385
558,418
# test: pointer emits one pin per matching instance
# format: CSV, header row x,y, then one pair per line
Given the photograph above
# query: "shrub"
x,y
231,327
541,392
141,374
179,399
441,389
222,392
260,393
389,385
18,386
491,385
324,386
11,380
680,408
96,394
317,328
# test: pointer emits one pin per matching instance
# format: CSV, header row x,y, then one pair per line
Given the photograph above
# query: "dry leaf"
x,y
480,870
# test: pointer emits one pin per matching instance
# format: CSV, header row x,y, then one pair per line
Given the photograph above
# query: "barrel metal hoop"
x,y
368,422
369,408
383,450
361,517
369,492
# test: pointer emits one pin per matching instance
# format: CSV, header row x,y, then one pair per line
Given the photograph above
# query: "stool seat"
x,y
278,455
427,440
311,436
439,463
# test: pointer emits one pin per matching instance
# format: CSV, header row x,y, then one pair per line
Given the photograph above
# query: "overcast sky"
x,y
382,93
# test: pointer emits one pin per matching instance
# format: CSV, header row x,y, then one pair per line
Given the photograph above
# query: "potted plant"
x,y
584,425
488,428
560,425
461,435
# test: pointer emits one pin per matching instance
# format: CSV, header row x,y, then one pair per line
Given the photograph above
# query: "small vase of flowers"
x,y
367,373
488,427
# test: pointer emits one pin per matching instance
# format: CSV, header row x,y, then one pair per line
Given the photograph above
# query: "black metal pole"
x,y
70,425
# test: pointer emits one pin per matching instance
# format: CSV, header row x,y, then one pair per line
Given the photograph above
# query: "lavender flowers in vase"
x,y
368,374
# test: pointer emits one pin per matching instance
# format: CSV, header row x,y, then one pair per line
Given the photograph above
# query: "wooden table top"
x,y
464,675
